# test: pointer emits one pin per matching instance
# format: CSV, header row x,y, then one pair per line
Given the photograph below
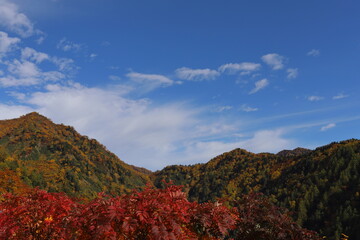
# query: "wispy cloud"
x,y
292,73
114,78
196,74
223,108
15,21
64,64
93,55
40,40
340,96
313,52
247,108
67,45
314,98
274,60
246,67
259,85
327,127
105,43
149,82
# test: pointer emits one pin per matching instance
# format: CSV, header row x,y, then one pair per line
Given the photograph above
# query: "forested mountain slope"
x,y
38,153
321,187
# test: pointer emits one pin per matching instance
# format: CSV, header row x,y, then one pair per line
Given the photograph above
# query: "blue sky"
x,y
179,82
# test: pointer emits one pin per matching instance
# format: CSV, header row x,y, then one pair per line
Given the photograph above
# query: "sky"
x,y
180,82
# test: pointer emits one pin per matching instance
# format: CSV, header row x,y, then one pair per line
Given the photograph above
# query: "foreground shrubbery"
x,y
157,214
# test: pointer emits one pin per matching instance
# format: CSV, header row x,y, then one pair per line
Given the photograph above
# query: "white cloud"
x,y
267,141
7,43
313,52
17,95
67,45
292,73
26,73
314,98
327,127
259,85
24,69
10,81
340,96
274,60
33,55
13,111
246,67
150,82
140,77
12,19
196,74
247,108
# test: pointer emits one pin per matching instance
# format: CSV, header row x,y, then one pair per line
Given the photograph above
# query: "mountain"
x,y
321,187
35,152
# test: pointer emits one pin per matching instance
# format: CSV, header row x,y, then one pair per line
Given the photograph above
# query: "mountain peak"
x,y
293,153
34,115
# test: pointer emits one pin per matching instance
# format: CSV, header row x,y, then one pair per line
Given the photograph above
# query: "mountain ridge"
x,y
321,186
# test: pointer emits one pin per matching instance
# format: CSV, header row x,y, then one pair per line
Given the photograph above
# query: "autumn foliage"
x,y
260,219
36,215
154,214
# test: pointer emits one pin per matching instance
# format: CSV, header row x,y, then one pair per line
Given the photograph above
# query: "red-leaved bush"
x,y
153,214
258,218
35,215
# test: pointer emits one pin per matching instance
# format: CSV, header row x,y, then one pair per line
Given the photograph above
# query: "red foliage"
x,y
159,214
36,215
153,214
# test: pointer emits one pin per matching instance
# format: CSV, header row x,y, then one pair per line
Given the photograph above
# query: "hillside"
x,y
321,187
35,152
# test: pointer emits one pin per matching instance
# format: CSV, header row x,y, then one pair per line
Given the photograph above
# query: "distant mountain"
x,y
321,187
35,152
